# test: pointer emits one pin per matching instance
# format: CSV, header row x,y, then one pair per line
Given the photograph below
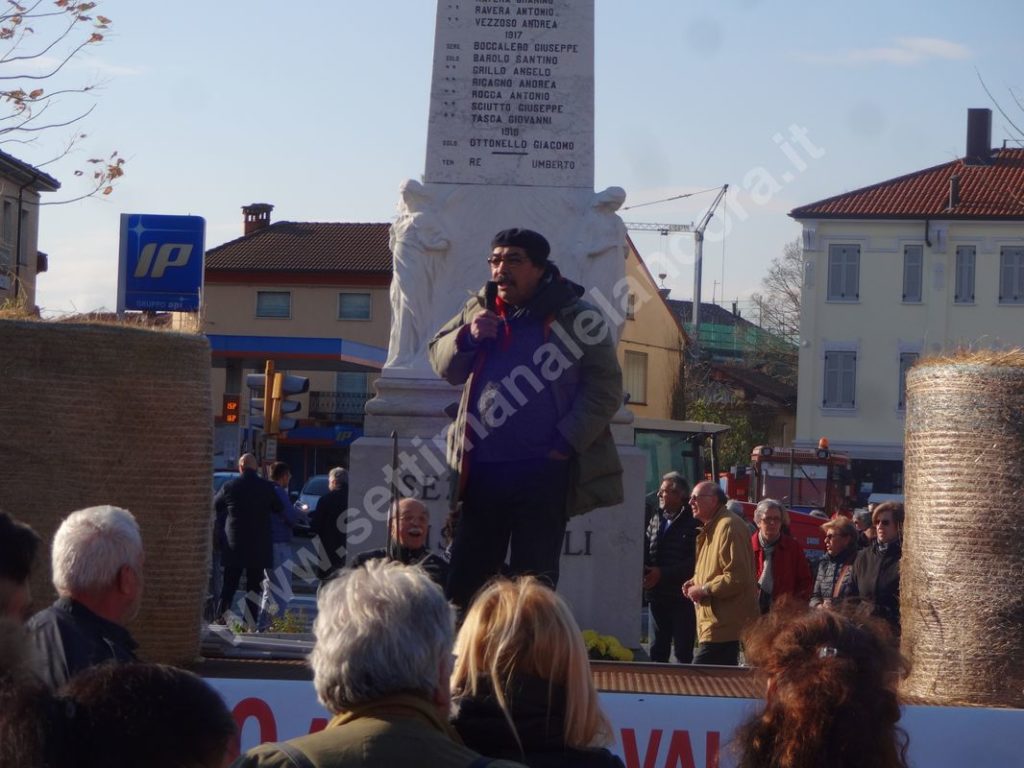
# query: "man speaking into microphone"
x,y
531,444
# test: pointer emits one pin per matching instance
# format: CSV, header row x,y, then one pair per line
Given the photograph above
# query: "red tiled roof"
x,y
290,246
993,191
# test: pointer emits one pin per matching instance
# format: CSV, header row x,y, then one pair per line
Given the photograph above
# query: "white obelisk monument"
x,y
510,143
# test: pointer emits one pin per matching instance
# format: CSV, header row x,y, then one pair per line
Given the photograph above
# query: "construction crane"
x,y
662,228
698,249
698,264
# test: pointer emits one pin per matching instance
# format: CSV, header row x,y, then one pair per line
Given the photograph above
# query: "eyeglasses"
x,y
511,261
771,519
835,536
703,496
884,522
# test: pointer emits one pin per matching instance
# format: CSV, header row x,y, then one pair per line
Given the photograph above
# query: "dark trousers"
x,y
726,654
673,622
517,503
253,592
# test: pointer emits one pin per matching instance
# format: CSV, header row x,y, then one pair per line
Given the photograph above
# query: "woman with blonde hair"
x,y
522,686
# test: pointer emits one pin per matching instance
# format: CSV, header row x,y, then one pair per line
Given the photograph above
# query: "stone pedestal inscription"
x,y
512,98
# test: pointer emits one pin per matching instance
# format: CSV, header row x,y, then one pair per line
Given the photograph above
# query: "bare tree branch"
x,y
998,105
40,39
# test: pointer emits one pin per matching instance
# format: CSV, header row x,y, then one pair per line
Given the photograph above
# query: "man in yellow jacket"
x,y
723,586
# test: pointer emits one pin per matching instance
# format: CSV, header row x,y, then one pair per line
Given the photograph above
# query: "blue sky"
x,y
320,108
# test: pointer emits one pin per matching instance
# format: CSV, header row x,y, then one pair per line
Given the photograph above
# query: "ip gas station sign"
x,y
160,265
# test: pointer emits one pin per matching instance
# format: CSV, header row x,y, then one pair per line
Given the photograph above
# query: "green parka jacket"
x,y
577,359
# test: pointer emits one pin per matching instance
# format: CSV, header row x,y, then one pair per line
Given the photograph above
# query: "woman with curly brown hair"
x,y
827,674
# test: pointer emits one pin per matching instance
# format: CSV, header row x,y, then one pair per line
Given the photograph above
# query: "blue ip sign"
x,y
160,268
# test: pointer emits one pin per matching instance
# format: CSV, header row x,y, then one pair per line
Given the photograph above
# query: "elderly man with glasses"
x,y
531,444
723,585
782,568
671,553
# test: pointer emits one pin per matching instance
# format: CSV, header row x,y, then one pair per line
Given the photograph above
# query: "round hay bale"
x,y
108,414
962,574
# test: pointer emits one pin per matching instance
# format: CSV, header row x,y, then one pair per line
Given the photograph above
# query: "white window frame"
x,y
843,272
263,315
369,305
1011,274
634,375
906,359
835,361
913,273
963,280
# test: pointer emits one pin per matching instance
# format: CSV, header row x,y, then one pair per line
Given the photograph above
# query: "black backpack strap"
x,y
296,755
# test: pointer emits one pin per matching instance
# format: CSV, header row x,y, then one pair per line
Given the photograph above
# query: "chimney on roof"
x,y
979,137
954,192
256,216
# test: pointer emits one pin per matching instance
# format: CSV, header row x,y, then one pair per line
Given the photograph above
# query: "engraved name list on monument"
x,y
512,96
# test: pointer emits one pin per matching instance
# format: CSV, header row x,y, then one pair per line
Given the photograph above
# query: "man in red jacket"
x,y
782,568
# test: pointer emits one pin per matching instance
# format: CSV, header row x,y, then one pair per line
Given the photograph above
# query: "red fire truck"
x,y
812,484
803,480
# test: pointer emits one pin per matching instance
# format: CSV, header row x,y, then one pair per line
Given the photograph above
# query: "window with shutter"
x,y
354,306
913,271
963,292
843,272
273,304
1011,276
840,380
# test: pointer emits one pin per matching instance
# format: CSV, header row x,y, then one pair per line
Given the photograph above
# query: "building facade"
x,y
313,298
21,261
923,264
651,345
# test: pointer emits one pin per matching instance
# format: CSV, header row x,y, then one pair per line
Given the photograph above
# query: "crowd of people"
x,y
513,684
72,691
706,576
434,661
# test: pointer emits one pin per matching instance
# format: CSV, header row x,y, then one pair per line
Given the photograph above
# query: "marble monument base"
x,y
602,556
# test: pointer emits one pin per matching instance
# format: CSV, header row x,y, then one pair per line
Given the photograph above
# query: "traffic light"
x,y
229,410
284,388
277,388
258,406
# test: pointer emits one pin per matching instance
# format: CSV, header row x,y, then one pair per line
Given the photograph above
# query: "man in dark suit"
x,y
328,522
244,506
671,553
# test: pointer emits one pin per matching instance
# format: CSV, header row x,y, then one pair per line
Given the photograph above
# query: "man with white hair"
x,y
381,666
723,588
97,571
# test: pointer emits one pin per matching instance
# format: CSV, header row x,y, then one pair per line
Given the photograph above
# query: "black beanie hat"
x,y
534,243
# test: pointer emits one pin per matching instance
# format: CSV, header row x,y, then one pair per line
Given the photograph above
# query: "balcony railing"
x,y
346,407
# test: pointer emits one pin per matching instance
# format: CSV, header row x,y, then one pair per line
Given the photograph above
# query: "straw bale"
x,y
108,414
962,573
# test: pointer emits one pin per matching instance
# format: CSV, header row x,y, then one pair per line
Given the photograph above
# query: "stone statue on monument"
x,y
419,244
601,251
